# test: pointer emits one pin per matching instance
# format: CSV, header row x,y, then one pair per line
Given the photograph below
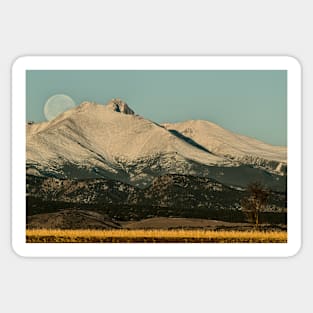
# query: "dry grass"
x,y
119,236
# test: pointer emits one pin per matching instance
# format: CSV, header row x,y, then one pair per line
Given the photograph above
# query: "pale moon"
x,y
56,105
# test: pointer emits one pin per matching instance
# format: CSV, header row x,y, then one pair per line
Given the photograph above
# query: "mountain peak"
x,y
120,106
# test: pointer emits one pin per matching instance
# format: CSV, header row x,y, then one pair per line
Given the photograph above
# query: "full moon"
x,y
56,105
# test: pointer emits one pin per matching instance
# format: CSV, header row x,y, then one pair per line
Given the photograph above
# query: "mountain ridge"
x,y
111,141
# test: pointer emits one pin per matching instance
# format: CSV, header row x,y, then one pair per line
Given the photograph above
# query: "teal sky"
x,y
252,103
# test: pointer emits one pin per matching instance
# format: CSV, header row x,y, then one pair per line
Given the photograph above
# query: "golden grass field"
x,y
157,236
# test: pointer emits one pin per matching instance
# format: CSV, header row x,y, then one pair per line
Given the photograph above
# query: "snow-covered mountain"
x,y
224,143
112,142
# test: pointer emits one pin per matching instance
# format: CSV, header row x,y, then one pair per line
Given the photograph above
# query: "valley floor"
x,y
154,236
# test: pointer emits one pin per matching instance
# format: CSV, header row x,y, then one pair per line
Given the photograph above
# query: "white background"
x,y
163,27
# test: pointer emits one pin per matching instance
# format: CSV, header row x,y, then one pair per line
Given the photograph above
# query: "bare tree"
x,y
255,202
